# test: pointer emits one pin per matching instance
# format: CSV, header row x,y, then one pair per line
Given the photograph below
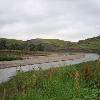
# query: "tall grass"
x,y
74,82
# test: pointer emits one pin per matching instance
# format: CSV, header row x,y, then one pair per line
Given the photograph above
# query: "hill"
x,y
50,44
34,44
90,45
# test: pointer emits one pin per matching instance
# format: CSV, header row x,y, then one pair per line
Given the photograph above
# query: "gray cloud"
x,y
63,19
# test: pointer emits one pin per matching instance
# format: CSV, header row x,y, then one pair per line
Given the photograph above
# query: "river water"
x,y
6,73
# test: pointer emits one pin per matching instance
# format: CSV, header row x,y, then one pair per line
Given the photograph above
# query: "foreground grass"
x,y
75,82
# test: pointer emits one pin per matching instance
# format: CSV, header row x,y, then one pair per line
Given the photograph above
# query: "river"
x,y
6,73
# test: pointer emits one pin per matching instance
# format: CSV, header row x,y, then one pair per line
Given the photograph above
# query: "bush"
x,y
97,72
9,58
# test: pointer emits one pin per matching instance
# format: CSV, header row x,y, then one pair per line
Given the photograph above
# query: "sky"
x,y
69,20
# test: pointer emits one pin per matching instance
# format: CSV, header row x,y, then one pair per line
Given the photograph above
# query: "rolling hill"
x,y
90,44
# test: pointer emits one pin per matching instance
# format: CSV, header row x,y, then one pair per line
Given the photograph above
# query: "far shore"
x,y
54,57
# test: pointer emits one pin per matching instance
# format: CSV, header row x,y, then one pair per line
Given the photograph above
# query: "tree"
x,y
3,44
40,47
32,47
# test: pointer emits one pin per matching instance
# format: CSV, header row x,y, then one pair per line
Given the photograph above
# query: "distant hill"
x,y
11,44
90,44
34,44
51,44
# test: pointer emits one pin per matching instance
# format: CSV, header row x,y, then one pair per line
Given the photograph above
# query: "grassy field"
x,y
74,82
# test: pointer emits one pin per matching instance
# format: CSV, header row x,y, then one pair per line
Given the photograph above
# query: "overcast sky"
x,y
63,19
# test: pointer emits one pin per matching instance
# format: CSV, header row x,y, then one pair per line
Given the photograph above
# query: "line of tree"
x,y
11,44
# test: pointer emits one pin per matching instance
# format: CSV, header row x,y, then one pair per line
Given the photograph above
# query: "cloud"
x,y
64,19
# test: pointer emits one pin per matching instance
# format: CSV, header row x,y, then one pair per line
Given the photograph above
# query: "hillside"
x,y
90,44
34,44
50,44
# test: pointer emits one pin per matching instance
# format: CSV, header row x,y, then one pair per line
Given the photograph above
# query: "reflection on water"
x,y
6,73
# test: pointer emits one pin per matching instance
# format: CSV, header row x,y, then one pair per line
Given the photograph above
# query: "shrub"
x,y
86,71
97,72
10,58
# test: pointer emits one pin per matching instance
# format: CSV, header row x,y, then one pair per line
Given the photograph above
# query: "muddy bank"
x,y
54,57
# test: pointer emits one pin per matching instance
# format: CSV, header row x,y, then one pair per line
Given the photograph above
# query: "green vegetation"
x,y
22,53
74,82
9,55
33,45
91,44
51,44
10,58
88,45
11,44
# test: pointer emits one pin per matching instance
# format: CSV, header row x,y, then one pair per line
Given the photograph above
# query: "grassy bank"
x,y
9,57
23,53
75,82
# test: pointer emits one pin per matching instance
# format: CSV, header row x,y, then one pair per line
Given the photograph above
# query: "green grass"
x,y
63,83
9,57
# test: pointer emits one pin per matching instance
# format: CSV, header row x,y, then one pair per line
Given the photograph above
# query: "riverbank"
x,y
53,57
74,82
